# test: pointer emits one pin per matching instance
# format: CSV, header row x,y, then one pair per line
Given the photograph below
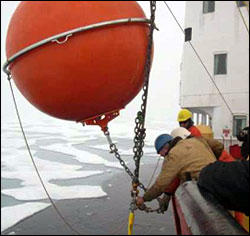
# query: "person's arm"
x,y
170,169
170,190
216,146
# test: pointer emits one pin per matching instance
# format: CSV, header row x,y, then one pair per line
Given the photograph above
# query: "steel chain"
x,y
160,210
114,149
140,131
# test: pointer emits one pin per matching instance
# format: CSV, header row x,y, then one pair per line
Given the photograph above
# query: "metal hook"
x,y
64,41
9,76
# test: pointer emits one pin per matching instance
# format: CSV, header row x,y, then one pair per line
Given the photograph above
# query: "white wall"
x,y
220,31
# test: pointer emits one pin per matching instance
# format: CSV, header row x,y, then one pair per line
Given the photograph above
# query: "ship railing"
x,y
199,213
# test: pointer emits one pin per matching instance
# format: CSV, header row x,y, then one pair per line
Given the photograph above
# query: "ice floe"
x,y
13,214
56,192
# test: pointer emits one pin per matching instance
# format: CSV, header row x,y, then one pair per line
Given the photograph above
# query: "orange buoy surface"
x,y
93,72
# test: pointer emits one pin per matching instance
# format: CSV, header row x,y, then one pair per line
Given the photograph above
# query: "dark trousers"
x,y
229,183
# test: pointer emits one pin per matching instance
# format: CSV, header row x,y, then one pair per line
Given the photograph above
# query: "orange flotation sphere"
x,y
94,72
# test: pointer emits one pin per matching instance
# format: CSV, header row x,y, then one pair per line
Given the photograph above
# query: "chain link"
x,y
140,131
163,205
114,150
134,192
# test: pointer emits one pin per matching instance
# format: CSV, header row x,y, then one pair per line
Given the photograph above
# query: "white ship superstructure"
x,y
218,32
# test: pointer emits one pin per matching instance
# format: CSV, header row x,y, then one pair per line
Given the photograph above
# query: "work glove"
x,y
164,203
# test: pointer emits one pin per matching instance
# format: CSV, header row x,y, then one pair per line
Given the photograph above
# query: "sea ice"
x,y
13,214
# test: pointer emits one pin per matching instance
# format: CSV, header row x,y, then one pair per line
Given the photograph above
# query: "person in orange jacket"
x,y
185,121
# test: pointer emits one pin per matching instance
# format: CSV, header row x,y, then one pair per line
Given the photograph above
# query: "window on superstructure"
x,y
208,6
240,4
188,34
220,64
239,123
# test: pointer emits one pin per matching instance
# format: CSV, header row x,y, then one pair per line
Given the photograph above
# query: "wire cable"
x,y
35,166
156,167
242,17
195,51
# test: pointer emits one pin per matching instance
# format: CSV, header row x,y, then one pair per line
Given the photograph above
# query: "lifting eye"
x,y
64,41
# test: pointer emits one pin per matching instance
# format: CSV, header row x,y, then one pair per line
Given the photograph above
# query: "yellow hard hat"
x,y
184,115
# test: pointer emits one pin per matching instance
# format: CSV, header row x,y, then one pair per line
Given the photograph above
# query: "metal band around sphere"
x,y
68,34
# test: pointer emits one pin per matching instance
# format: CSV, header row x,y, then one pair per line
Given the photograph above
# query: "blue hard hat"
x,y
161,141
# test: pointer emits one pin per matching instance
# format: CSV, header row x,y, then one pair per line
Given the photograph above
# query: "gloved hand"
x,y
164,202
140,203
